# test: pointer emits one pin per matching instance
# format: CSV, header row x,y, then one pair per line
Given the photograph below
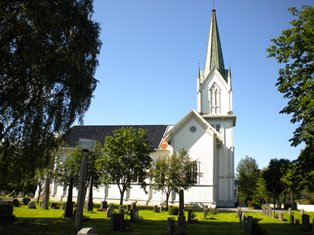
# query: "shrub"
x,y
173,210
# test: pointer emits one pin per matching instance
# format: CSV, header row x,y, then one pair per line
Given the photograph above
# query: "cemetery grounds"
x,y
51,222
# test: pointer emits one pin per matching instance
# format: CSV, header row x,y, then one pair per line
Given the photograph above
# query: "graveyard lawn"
x,y
51,222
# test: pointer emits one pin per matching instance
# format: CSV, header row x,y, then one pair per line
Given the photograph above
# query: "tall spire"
x,y
214,56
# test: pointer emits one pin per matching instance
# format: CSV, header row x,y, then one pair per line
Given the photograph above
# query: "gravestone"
x,y
280,216
205,212
87,231
248,225
181,217
129,207
268,210
240,217
264,209
6,210
191,217
121,210
243,218
31,205
115,221
26,200
238,211
15,202
103,205
291,219
134,215
54,205
305,222
289,211
156,208
133,205
170,226
301,212
110,210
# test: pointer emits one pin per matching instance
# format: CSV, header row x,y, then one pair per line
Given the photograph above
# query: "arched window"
x,y
214,93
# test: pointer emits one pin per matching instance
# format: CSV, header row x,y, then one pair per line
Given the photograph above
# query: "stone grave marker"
x,y
15,202
6,210
301,212
305,222
248,225
103,205
121,210
264,209
156,208
87,231
170,226
128,209
238,211
243,219
31,205
289,210
205,212
110,210
291,219
280,216
26,200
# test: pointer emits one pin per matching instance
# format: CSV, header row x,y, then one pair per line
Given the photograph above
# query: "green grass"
x,y
48,222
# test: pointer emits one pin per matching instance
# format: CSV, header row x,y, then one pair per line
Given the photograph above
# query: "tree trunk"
x,y
68,212
45,203
121,197
90,196
167,200
40,187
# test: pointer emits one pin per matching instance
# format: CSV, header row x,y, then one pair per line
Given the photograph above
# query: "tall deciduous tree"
x,y
273,178
295,48
67,172
172,173
126,159
248,174
48,57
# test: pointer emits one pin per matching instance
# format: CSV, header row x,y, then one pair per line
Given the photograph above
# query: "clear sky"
x,y
149,59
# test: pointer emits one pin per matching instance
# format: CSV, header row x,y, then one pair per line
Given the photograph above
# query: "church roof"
x,y
185,119
155,133
214,57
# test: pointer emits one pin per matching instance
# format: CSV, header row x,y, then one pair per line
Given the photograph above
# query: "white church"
x,y
206,134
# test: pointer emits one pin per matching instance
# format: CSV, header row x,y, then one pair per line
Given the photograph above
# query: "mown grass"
x,y
51,222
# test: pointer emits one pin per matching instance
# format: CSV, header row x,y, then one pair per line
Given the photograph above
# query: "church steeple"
x,y
214,56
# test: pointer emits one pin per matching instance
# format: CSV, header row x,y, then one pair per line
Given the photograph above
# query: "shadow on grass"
x,y
31,226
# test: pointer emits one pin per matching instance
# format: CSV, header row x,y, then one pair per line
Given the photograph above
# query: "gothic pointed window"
x,y
214,95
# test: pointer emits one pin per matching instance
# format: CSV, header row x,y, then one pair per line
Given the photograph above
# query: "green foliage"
x,y
248,175
273,177
295,48
48,57
172,173
173,210
304,168
126,158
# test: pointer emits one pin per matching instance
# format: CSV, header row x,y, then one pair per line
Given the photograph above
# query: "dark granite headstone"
x,y
103,205
170,226
6,211
305,222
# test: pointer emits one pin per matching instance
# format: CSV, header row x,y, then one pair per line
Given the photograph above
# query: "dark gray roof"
x,y
155,133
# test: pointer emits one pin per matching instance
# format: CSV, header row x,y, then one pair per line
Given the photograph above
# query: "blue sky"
x,y
149,59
